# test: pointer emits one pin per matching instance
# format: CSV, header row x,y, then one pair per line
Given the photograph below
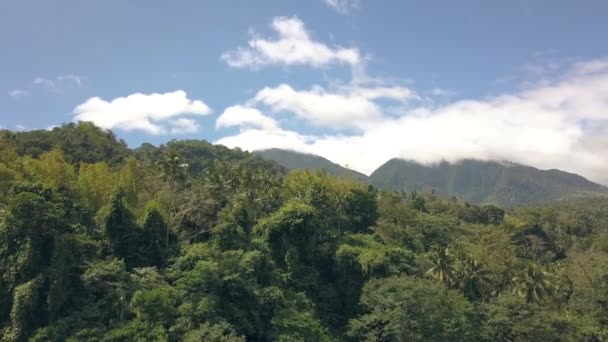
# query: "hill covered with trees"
x,y
295,160
190,241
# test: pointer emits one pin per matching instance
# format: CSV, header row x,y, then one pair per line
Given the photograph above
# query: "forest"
x,y
191,241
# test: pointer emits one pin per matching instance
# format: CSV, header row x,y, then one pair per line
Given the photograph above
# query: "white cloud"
x,y
20,127
441,92
44,82
293,46
59,81
151,113
183,125
561,124
245,117
342,6
15,93
347,107
254,139
77,80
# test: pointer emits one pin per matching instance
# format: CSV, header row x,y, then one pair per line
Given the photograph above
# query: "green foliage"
x,y
512,319
81,142
219,332
410,309
156,240
41,246
24,314
372,258
122,231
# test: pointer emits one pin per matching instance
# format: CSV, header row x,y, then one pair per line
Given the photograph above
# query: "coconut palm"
x,y
443,266
473,279
533,284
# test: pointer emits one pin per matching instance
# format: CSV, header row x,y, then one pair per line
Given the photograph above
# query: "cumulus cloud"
x,y
245,117
150,113
293,46
16,93
347,107
561,124
342,6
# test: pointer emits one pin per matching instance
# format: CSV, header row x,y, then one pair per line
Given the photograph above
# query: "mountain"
x,y
484,182
296,160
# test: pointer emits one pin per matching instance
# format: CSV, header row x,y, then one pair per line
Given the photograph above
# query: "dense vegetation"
x,y
196,242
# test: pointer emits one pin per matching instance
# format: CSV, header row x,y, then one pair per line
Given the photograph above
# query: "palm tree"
x,y
172,169
443,266
473,279
533,284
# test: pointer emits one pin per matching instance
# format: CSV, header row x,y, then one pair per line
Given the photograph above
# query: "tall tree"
x,y
122,231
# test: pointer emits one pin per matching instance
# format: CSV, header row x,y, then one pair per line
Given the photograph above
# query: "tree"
x,y
95,184
122,231
155,239
511,318
444,268
41,254
52,169
295,242
533,284
473,279
410,309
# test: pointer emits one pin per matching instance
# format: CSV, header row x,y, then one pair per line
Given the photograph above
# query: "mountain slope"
x,y
296,160
484,182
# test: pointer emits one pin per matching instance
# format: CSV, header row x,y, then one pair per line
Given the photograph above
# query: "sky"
x,y
356,81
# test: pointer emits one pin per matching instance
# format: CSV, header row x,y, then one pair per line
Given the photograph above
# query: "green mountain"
x,y
296,160
484,182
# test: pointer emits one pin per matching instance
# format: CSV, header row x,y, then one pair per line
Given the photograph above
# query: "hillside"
x,y
295,160
484,182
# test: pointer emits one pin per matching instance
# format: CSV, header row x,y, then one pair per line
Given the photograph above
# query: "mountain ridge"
x,y
502,182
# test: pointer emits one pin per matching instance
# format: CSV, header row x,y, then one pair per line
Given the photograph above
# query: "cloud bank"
x,y
150,113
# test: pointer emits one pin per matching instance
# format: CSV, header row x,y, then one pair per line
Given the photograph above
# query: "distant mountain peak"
x,y
485,181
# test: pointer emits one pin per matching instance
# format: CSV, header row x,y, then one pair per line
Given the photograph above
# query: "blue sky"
x,y
355,81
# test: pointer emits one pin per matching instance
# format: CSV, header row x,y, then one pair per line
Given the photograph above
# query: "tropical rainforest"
x,y
191,241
